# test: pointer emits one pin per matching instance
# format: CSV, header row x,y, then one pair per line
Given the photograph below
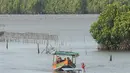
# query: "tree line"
x,y
55,6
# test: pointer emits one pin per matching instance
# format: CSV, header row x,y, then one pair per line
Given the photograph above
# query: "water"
x,y
73,30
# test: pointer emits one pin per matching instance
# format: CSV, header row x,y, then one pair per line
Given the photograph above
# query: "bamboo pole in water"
x,y
47,44
38,50
110,57
6,44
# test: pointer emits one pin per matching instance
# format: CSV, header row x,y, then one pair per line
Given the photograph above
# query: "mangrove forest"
x,y
55,6
112,29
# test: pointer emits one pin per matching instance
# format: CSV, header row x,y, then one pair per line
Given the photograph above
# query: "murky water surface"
x,y
73,30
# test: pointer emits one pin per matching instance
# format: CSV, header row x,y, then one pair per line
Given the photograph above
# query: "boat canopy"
x,y
67,53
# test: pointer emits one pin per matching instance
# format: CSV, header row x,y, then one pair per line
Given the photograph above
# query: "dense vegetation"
x,y
112,30
39,6
97,6
55,6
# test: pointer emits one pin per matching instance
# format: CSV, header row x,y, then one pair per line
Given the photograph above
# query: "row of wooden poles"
x,y
37,38
38,49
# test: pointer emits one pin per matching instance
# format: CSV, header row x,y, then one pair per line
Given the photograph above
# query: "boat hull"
x,y
65,66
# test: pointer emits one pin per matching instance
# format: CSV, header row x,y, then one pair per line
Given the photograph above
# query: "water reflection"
x,y
58,72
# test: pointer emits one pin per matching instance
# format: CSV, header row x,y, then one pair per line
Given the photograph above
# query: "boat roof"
x,y
72,69
67,53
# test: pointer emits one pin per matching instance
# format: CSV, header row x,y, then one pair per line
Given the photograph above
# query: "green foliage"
x,y
55,6
97,6
32,7
62,6
40,6
112,26
21,6
3,6
121,27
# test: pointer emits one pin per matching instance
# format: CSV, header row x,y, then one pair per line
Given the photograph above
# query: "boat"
x,y
69,60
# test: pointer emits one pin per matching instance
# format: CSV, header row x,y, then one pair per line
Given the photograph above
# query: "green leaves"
x,y
40,6
113,25
57,6
122,23
62,6
97,6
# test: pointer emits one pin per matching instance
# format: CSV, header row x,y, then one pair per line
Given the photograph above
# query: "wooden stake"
x,y
38,50
86,52
6,44
110,57
47,44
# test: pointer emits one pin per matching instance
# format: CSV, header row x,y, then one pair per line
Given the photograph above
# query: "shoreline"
x,y
51,14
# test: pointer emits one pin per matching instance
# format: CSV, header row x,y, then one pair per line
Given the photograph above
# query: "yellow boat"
x,y
69,60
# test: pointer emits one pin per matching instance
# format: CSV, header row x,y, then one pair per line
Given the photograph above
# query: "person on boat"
x,y
60,59
69,60
57,59
83,67
64,59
